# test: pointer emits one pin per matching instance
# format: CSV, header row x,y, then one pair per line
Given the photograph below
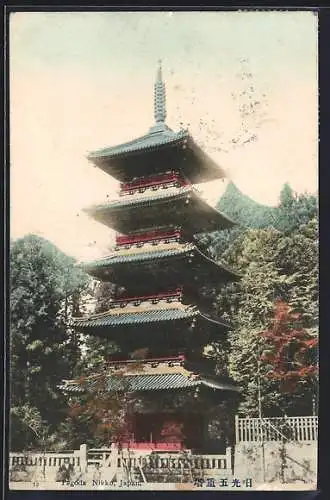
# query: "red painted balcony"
x,y
181,358
132,239
171,295
153,181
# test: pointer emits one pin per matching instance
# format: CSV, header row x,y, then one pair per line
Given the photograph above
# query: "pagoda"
x,y
160,272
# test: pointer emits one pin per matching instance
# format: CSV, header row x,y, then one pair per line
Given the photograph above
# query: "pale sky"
x,y
82,81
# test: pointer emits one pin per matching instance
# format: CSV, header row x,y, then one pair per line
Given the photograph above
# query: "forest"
x,y
271,350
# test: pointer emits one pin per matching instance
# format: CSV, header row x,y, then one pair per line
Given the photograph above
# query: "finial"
x,y
159,96
159,71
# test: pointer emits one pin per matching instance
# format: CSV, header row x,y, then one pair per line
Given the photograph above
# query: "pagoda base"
x,y
173,431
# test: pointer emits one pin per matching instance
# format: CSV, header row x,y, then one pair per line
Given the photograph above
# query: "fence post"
x,y
83,458
228,458
236,429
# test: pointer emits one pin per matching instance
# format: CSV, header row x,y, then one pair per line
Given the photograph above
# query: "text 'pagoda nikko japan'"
x,y
181,397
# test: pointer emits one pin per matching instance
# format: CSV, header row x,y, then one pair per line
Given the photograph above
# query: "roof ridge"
x,y
190,190
160,247
166,136
135,309
148,195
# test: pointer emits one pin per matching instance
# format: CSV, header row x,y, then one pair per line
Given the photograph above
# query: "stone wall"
x,y
275,461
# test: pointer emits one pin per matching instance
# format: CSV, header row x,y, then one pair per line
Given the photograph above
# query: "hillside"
x,y
245,211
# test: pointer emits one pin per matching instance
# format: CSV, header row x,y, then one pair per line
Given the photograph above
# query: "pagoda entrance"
x,y
168,431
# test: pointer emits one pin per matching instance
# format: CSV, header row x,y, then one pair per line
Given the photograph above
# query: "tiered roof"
x,y
156,196
174,206
148,375
160,262
158,318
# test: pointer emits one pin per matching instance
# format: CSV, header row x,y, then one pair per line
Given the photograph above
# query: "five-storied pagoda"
x,y
161,270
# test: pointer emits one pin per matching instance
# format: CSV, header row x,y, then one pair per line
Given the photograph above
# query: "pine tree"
x,y
44,286
294,210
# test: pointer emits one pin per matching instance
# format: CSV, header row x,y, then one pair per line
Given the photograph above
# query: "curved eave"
x,y
153,153
108,320
156,382
143,144
217,383
141,261
232,275
139,258
186,208
214,170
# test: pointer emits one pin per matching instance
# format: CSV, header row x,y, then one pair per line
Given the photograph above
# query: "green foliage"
x,y
82,422
26,427
292,211
217,242
99,350
244,210
295,210
275,250
274,266
45,289
297,256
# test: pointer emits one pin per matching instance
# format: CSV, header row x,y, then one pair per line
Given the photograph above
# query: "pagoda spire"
x,y
159,96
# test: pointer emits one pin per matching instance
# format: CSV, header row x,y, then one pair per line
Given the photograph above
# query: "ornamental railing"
x,y
171,361
87,463
158,461
150,236
276,429
142,184
154,299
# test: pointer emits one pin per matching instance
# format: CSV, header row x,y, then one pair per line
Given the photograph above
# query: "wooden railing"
x,y
159,460
153,181
276,429
112,461
147,237
172,295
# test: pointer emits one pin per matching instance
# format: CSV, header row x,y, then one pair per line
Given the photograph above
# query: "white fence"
x,y
153,465
110,462
46,464
168,460
47,460
276,429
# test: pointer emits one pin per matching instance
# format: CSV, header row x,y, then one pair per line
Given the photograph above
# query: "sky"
x,y
244,83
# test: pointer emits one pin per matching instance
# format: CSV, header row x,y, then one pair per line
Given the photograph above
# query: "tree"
x,y
294,209
28,426
244,210
290,352
274,266
99,350
297,256
105,413
45,287
83,414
